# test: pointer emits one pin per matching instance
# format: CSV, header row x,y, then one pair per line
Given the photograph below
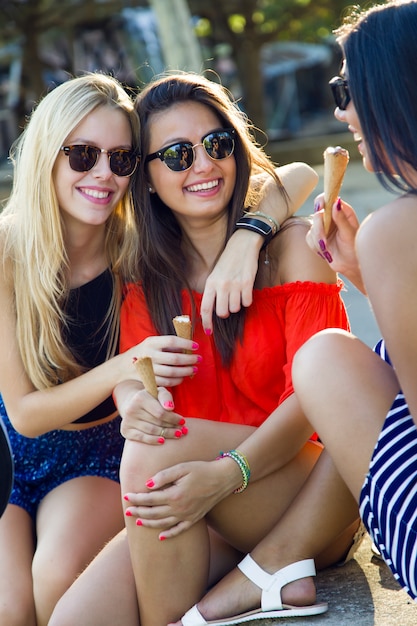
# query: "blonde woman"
x,y
68,240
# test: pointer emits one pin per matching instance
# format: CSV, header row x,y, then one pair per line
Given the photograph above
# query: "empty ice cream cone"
x,y
145,370
183,328
335,163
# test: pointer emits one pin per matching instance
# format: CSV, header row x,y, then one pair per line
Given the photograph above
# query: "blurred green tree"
x,y
245,26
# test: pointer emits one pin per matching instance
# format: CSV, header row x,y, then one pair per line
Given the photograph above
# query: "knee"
x,y
50,581
319,356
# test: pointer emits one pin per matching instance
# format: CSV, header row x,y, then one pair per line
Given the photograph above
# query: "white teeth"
x,y
203,186
94,193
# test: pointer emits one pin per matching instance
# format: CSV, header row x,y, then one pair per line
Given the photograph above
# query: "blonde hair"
x,y
32,231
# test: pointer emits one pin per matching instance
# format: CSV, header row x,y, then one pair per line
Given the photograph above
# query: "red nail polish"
x,y
195,345
181,422
161,440
169,404
149,483
195,369
339,205
126,497
128,514
184,430
207,331
139,522
162,538
199,358
178,434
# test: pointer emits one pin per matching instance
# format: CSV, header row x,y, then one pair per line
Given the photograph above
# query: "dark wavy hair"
x,y
380,48
163,266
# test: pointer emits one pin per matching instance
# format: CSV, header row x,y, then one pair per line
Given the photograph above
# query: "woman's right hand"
x,y
338,247
171,362
145,418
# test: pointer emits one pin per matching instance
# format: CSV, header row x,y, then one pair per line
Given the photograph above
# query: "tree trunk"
x,y
178,41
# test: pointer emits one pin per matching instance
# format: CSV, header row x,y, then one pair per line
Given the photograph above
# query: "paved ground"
x,y
363,592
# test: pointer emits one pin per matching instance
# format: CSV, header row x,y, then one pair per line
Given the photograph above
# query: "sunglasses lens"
x,y
340,91
82,158
178,157
123,162
219,145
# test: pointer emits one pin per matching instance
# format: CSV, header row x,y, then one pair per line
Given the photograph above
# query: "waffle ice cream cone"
x,y
183,328
335,163
145,370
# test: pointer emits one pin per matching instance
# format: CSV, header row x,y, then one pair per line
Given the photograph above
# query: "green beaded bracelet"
x,y
242,461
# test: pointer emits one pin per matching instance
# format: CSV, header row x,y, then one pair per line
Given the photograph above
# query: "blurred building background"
x,y
276,56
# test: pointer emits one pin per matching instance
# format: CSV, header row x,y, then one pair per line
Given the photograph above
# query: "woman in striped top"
x,y
370,398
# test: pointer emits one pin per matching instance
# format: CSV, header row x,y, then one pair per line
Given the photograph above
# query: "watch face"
x,y
6,468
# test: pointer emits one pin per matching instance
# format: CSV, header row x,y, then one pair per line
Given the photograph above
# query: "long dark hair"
x,y
380,48
162,263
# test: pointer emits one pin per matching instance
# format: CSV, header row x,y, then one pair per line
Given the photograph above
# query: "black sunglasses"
x,y
340,89
83,158
218,144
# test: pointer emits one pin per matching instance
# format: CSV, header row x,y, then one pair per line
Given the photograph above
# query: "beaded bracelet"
x,y
242,461
275,226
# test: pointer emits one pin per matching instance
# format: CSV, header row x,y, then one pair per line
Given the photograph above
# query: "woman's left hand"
x,y
230,284
179,496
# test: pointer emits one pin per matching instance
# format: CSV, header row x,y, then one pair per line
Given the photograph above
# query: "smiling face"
x,y
203,191
90,197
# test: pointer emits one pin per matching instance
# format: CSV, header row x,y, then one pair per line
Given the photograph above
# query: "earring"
x,y
151,189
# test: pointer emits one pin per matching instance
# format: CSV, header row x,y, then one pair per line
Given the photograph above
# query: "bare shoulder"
x,y
389,231
294,259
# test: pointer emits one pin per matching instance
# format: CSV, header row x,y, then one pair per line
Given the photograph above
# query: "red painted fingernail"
x,y
128,514
339,205
149,483
207,331
126,497
161,440
139,522
178,434
181,422
162,538
184,430
169,404
322,245
195,345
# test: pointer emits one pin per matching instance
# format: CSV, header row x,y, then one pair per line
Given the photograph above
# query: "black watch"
x,y
256,226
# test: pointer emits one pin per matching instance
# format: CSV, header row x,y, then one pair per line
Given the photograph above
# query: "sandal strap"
x,y
271,584
193,617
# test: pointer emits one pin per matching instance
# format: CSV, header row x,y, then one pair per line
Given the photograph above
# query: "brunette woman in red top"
x,y
240,399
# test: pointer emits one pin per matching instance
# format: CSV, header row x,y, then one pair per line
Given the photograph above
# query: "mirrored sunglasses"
x,y
83,158
180,156
340,90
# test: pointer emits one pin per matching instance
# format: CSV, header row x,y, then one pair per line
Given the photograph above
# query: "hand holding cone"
x,y
183,328
335,164
145,370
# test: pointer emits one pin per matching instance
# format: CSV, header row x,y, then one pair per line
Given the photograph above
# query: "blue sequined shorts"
x,y
45,462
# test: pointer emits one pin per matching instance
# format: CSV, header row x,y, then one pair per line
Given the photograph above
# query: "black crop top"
x,y
86,334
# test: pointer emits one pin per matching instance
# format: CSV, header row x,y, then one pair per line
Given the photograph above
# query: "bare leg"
x,y
346,391
104,593
163,595
319,524
74,522
17,606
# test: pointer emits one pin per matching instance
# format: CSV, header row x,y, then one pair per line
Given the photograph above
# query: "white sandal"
x,y
271,603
